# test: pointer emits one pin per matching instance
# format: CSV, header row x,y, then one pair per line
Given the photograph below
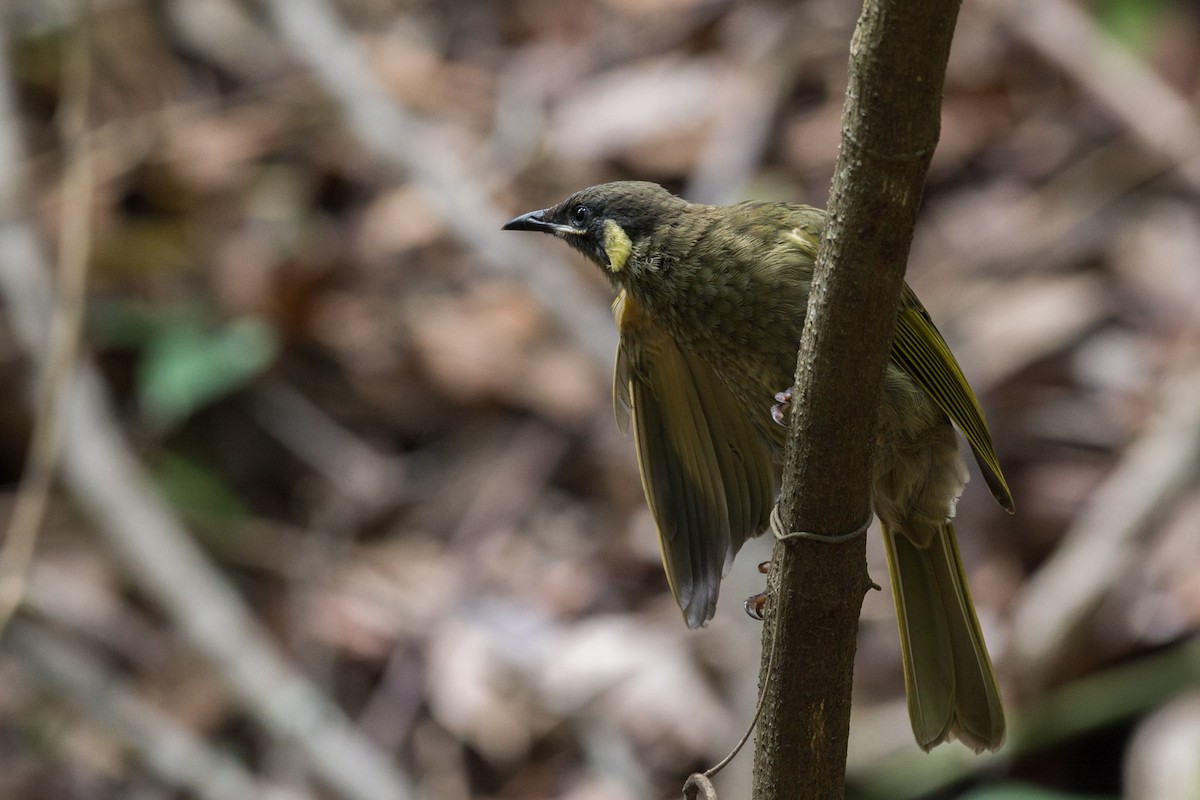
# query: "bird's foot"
x,y
756,606
782,401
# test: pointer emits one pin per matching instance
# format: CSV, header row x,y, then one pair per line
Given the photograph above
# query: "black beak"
x,y
533,221
536,221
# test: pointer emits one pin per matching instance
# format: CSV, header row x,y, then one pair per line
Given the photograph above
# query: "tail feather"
x,y
948,675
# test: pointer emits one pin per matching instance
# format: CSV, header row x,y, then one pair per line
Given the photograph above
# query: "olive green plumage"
x,y
710,308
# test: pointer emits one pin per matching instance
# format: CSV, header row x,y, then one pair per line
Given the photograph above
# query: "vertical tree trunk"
x,y
890,127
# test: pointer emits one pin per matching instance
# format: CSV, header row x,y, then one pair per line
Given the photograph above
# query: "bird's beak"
x,y
536,221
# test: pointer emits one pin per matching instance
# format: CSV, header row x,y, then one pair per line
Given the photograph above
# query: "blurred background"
x,y
340,509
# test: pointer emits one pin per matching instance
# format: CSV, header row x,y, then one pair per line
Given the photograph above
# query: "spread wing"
x,y
708,476
921,351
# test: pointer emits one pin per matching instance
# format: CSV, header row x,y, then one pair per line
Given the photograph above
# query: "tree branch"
x,y
890,127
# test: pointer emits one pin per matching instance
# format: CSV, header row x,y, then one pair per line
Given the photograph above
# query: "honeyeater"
x,y
710,306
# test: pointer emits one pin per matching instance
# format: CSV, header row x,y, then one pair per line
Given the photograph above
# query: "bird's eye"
x,y
580,215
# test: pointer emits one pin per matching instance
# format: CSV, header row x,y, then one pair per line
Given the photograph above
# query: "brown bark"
x,y
890,127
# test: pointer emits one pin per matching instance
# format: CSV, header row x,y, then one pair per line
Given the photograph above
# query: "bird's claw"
x,y
782,401
756,606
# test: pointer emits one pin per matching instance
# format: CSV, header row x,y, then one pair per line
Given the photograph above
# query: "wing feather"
x,y
918,347
707,473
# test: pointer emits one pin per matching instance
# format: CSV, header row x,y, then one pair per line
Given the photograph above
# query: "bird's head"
x,y
607,223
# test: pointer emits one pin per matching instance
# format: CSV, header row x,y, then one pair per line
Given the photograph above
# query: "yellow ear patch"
x,y
616,246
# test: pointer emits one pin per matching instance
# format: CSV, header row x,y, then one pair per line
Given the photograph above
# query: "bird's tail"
x,y
951,686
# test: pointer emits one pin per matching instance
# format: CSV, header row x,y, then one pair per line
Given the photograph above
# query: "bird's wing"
x,y
707,473
921,351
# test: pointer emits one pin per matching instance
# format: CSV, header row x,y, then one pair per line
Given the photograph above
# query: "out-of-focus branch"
x,y
318,39
1058,601
1161,759
776,48
154,546
1063,33
171,752
362,474
1103,540
66,321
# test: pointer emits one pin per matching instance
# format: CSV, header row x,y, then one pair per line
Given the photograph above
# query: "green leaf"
x,y
1132,22
206,501
187,366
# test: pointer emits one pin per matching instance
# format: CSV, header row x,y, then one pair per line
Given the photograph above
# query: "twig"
x,y
383,125
66,322
151,542
700,783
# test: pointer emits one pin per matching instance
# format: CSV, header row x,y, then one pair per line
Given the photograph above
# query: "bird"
x,y
710,307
